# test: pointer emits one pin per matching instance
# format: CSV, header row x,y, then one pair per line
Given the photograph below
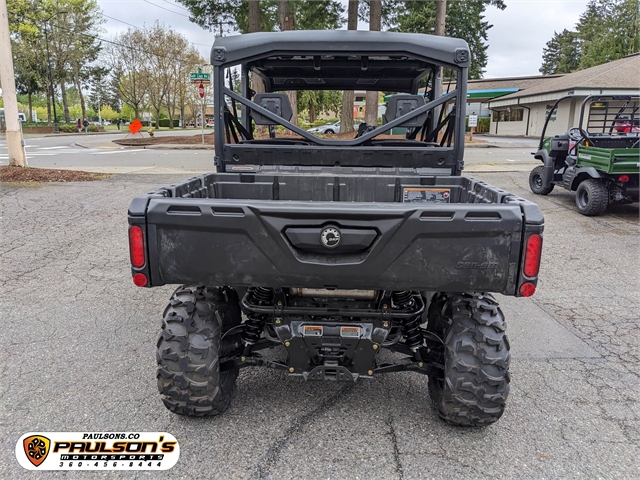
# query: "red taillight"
x,y
527,289
136,246
623,178
532,255
140,279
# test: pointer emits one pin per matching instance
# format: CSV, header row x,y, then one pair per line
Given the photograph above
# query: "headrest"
x,y
277,103
399,105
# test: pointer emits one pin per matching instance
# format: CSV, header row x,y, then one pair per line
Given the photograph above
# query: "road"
x,y
78,354
98,153
104,156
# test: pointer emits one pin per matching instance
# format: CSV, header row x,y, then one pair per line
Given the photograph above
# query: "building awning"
x,y
480,95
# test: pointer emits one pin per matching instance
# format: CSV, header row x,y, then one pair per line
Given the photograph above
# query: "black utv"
x,y
329,250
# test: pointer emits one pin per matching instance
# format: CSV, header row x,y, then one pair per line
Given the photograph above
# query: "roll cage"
x,y
341,60
605,119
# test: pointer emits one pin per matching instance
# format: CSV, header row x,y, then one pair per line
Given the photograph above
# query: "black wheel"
x,y
592,197
329,132
535,182
472,388
190,379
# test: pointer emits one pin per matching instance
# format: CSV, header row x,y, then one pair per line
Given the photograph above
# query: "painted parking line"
x,y
119,151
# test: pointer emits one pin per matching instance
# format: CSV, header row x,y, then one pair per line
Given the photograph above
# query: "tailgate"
x,y
453,247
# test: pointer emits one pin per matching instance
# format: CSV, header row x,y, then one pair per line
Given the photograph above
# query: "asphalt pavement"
x,y
78,354
97,153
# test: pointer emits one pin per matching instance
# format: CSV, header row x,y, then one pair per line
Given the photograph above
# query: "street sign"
x,y
201,90
473,121
200,76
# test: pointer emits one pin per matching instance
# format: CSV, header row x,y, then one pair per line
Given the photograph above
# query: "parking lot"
x,y
78,354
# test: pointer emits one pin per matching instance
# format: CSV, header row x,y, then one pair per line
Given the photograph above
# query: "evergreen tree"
x,y
561,54
464,20
607,30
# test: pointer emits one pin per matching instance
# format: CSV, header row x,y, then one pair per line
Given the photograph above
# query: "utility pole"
x,y
99,108
15,146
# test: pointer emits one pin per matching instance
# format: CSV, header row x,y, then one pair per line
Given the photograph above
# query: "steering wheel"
x,y
574,134
575,137
585,136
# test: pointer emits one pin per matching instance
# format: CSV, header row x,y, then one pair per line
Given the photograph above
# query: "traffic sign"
x,y
201,90
199,76
135,126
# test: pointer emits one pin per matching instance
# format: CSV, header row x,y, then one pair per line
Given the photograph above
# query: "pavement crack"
x,y
396,449
270,458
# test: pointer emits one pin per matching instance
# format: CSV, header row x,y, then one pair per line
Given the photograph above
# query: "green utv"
x,y
599,159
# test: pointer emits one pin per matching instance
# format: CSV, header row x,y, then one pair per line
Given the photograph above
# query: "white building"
x,y
523,113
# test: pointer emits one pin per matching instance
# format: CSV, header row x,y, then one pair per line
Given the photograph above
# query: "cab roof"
x,y
340,59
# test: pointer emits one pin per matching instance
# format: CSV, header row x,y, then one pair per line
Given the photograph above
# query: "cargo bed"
x,y
398,229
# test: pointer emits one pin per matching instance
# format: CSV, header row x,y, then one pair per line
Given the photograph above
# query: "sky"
x,y
516,40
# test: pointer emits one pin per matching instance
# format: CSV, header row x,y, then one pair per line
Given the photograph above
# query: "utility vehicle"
x,y
331,250
599,159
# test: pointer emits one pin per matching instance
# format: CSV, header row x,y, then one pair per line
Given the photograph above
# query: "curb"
x,y
499,145
167,146
79,145
77,134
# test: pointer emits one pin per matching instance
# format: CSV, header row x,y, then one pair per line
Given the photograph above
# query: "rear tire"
x,y
329,132
473,387
592,197
190,380
535,182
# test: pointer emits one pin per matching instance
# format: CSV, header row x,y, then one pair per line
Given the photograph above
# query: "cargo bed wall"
x,y
341,185
472,243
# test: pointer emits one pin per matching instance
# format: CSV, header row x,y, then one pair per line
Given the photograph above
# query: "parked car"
x,y
327,129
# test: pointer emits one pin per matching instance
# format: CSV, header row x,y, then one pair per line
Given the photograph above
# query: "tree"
x,y
27,44
375,20
317,102
464,19
266,16
348,96
72,41
607,30
127,61
561,54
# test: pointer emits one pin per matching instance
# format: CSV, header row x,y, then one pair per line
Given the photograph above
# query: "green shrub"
x,y
93,128
483,125
164,122
68,128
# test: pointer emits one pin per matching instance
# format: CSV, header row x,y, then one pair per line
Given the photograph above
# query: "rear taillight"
x,y
527,289
136,246
623,178
532,255
140,280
